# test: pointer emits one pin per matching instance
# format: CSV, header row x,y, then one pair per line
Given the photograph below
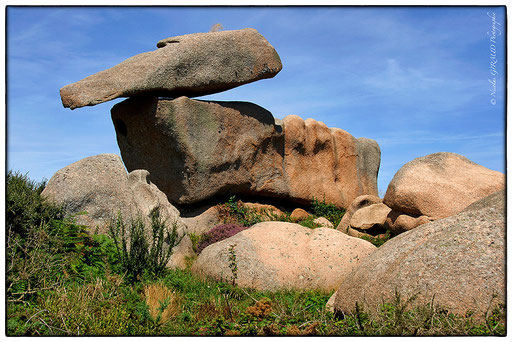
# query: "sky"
x,y
417,80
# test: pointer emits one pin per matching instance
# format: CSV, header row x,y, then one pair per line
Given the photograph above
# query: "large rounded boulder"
x,y
281,255
458,261
95,190
440,185
98,188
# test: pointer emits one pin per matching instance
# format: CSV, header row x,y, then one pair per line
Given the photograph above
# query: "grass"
x,y
62,281
161,301
182,304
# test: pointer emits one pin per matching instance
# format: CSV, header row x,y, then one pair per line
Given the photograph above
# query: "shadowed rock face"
x,y
192,65
439,185
195,150
460,259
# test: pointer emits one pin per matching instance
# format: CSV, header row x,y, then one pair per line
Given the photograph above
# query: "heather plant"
x,y
219,233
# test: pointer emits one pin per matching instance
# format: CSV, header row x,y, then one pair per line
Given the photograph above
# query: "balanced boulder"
x,y
440,185
458,262
281,255
192,65
195,150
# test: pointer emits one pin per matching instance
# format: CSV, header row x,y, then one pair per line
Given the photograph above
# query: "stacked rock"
x,y
195,150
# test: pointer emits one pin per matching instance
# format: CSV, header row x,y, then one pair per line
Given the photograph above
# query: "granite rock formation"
x,y
189,65
195,150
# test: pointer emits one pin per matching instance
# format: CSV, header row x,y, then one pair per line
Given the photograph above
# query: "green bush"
x,y
43,249
327,210
242,215
137,252
25,207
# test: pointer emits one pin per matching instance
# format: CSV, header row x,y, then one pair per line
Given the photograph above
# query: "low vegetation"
x,y
62,281
378,240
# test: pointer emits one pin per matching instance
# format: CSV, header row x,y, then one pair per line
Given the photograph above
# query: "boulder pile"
x,y
423,190
458,262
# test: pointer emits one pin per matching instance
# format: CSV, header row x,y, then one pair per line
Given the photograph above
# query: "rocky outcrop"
x,y
458,261
211,148
440,185
96,189
190,65
279,255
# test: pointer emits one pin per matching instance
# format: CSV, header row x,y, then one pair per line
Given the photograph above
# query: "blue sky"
x,y
415,79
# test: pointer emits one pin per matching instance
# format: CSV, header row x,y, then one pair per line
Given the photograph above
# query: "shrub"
x,y
219,233
378,240
25,207
43,249
135,251
327,210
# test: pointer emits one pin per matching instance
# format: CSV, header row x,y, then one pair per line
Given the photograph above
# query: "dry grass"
x,y
162,302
